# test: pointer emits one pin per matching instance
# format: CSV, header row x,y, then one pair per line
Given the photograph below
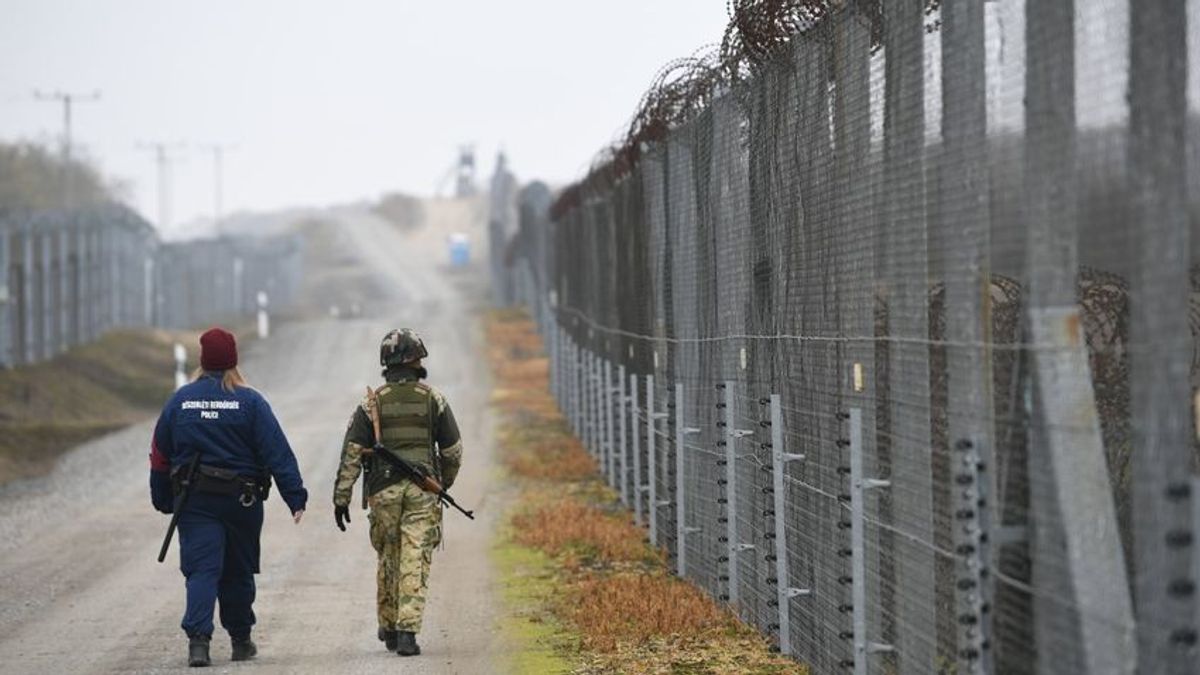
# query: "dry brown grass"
x,y
610,587
567,526
630,607
552,459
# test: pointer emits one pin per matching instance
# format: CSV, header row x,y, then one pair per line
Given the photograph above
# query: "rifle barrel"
x,y
450,500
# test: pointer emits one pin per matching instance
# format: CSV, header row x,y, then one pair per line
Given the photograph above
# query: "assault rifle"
x,y
185,491
414,472
417,474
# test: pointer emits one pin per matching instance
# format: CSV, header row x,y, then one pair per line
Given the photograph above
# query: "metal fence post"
x,y
1161,133
601,420
563,356
622,444
6,356
635,450
587,381
652,500
116,297
46,311
733,543
973,546
682,530
28,312
588,384
1076,550
595,428
556,334
573,386
859,485
610,455
550,342
64,287
784,591
577,388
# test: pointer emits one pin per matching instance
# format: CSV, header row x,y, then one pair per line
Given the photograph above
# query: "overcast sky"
x,y
335,101
329,102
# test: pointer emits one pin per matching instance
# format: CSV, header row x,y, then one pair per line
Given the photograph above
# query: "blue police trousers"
x,y
218,555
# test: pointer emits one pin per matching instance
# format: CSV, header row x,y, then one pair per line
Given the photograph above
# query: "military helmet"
x,y
401,346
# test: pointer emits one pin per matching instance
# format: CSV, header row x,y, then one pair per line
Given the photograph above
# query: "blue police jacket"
x,y
232,430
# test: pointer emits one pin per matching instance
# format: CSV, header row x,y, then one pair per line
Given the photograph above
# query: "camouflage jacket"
x,y
360,434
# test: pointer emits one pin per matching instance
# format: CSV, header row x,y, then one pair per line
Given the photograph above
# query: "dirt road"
x,y
79,588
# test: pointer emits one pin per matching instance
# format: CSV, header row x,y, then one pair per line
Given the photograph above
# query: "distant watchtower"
x,y
465,185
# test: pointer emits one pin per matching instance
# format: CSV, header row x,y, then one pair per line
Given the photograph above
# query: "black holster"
x,y
218,481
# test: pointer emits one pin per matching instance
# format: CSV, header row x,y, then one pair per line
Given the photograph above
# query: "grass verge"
x,y
50,407
592,596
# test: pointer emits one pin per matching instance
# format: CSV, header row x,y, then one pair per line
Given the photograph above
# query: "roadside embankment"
x,y
91,390
586,593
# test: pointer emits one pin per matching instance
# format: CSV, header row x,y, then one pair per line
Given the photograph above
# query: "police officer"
x,y
416,424
241,446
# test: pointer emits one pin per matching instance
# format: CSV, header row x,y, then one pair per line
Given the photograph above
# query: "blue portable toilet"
x,y
460,249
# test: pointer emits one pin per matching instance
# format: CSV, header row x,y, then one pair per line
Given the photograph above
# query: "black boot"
x,y
406,643
388,637
198,651
244,649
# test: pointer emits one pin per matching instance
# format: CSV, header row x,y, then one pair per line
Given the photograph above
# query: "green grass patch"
x,y
538,643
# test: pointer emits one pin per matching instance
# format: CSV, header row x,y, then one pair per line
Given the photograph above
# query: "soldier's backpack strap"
x,y
435,453
368,463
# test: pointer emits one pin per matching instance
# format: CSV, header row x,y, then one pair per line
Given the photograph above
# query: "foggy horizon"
x,y
325,105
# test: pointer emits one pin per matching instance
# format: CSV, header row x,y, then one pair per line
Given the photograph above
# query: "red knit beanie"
x,y
218,350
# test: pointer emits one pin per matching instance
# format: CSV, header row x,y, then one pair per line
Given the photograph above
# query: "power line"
x,y
218,157
68,101
162,160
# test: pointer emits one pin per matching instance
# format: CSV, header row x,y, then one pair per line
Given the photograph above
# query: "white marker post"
x,y
180,361
264,322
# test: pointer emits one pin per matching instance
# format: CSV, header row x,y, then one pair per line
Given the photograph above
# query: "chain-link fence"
x,y
892,345
68,276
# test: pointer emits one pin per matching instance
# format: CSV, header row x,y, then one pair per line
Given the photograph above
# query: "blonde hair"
x,y
231,379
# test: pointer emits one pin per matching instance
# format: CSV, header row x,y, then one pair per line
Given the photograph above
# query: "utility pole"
x,y
68,101
162,159
218,157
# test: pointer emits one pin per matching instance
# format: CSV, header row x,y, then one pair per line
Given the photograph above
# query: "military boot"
x,y
388,637
198,651
244,649
406,643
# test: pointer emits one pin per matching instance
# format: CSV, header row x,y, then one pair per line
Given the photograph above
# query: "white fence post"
x,y
682,529
652,502
7,358
859,485
592,426
635,450
784,591
622,441
606,401
734,546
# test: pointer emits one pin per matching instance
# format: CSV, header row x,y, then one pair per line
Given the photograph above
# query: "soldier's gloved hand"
x,y
340,514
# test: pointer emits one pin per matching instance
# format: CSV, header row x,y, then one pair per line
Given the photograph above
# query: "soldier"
x,y
240,446
416,425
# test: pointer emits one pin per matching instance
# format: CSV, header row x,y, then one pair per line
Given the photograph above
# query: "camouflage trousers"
x,y
406,525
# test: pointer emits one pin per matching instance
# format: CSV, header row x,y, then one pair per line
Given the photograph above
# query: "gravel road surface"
x,y
80,590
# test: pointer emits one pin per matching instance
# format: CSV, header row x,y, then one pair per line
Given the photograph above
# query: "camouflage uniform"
x,y
405,520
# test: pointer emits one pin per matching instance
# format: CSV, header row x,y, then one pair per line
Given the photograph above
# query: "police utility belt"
x,y
217,481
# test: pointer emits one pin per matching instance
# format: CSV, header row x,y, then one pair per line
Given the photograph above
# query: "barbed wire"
x,y
757,32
